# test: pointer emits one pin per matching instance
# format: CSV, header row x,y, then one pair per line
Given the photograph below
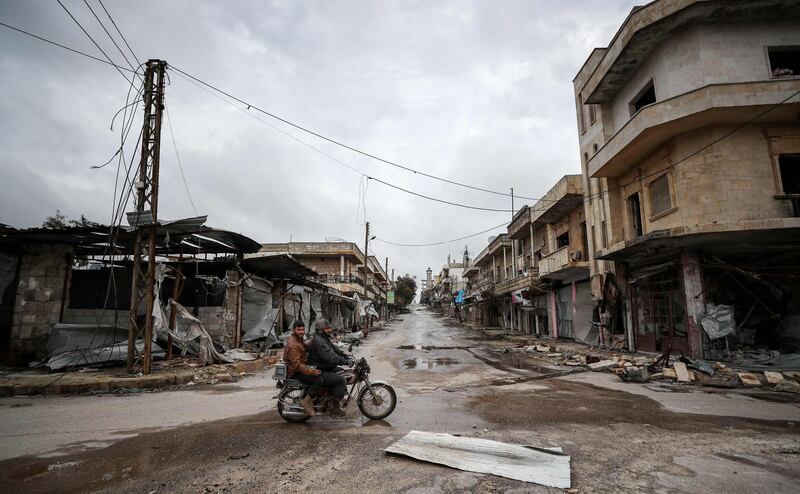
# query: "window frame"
x,y
652,215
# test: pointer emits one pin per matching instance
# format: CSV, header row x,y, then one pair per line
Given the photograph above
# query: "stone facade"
x,y
43,276
698,157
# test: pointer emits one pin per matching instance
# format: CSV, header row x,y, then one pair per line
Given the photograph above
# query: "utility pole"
x,y
366,257
513,259
143,284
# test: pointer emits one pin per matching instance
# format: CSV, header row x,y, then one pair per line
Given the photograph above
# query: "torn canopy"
x,y
258,315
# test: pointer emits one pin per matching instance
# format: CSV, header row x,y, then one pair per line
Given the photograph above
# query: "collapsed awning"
x,y
185,236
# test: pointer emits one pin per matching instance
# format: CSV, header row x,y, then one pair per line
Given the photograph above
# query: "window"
x,y
603,234
660,199
585,242
562,240
581,120
592,114
784,61
585,157
789,165
635,209
594,148
645,97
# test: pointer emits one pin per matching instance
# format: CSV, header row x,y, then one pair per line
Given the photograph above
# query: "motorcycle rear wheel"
x,y
294,396
386,397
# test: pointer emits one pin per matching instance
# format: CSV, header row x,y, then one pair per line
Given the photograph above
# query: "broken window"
x,y
562,240
784,61
660,199
592,114
635,209
789,168
645,97
585,242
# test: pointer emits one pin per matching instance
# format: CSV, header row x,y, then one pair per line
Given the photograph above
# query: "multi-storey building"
x,y
690,150
339,265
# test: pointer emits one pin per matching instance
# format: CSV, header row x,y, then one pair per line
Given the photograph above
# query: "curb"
x,y
108,384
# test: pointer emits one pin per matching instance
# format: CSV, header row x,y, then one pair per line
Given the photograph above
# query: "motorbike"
x,y
376,399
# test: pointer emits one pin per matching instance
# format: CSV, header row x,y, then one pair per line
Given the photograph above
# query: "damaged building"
x,y
67,294
690,150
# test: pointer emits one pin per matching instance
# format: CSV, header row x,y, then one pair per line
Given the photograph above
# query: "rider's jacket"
x,y
324,354
294,354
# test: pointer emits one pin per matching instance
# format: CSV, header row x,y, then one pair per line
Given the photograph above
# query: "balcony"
x,y
558,265
522,280
655,124
566,195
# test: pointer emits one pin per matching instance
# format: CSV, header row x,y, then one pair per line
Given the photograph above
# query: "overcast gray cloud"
x,y
478,92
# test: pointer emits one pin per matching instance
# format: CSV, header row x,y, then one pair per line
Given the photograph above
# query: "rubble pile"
x,y
681,370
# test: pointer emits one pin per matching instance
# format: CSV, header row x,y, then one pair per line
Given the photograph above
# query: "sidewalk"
x,y
176,372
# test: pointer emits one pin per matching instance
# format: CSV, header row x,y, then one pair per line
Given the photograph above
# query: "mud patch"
x,y
600,406
428,363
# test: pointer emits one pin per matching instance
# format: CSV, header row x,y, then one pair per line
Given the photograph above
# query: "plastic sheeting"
x,y
79,345
718,321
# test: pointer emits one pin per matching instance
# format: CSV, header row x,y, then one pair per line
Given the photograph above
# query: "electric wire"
x,y
360,172
177,156
73,50
431,244
346,146
112,39
94,42
118,30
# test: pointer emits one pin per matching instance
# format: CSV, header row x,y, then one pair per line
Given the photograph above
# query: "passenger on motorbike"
x,y
324,354
295,355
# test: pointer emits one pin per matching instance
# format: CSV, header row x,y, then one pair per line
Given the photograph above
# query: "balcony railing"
x,y
335,278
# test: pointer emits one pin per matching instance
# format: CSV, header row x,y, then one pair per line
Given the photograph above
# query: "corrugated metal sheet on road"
x,y
545,466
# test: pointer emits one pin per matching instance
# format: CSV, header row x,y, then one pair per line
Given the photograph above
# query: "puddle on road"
x,y
432,347
428,363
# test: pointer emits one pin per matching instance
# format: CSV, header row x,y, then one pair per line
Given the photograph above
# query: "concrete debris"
x,y
635,374
788,386
681,372
749,380
773,377
670,373
603,365
542,348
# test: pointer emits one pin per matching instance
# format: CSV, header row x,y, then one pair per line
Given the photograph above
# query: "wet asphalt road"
x,y
448,379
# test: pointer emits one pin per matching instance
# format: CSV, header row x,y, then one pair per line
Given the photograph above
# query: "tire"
x,y
294,396
369,409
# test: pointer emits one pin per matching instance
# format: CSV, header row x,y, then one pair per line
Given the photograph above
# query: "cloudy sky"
x,y
476,92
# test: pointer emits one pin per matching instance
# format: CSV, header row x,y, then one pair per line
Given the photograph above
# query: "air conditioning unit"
x,y
577,256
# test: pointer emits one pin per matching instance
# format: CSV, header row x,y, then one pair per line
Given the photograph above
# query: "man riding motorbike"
x,y
295,355
326,356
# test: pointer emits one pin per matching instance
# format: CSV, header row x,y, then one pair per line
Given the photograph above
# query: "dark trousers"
x,y
314,383
335,383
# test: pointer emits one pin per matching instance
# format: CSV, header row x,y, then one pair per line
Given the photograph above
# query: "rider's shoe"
x,y
308,405
336,409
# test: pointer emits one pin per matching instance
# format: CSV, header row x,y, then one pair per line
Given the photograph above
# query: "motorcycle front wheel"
x,y
294,397
377,403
